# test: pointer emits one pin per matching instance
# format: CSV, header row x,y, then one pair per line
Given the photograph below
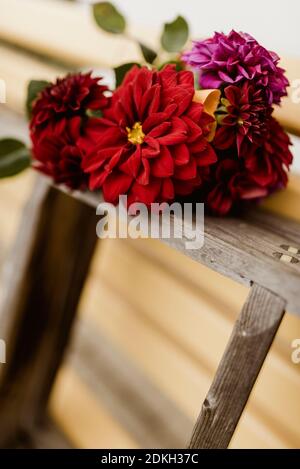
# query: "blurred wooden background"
x,y
169,316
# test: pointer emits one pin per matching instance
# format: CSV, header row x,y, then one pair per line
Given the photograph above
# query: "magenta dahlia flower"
x,y
233,58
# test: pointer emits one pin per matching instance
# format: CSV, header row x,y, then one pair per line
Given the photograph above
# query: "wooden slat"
x,y
47,271
63,30
241,250
249,344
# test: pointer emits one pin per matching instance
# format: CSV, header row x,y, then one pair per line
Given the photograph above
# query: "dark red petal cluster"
x,y
238,179
253,150
69,96
57,154
58,119
243,118
151,141
269,163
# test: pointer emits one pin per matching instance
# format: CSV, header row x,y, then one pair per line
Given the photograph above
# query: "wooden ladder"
x,y
51,259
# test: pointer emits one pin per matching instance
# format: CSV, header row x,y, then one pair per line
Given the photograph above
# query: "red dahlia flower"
x,y
151,142
260,172
58,117
231,186
242,117
269,163
57,154
69,96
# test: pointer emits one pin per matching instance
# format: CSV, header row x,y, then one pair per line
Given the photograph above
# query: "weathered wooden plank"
x,y
47,271
244,249
243,358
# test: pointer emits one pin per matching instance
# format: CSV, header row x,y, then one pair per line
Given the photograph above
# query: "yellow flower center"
x,y
136,134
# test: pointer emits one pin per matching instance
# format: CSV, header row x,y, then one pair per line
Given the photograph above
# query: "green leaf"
x,y
148,54
121,71
175,35
109,18
14,157
94,113
33,90
179,65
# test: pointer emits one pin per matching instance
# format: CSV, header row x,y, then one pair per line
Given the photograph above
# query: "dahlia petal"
x,y
158,117
116,184
144,176
177,134
180,154
195,111
210,80
206,157
74,127
186,78
253,192
132,164
219,202
163,165
167,189
160,130
182,97
153,147
146,194
97,158
150,101
194,130
188,171
225,77
142,83
113,161
224,138
168,76
97,179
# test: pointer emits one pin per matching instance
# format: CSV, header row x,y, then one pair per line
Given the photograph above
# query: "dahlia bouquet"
x,y
198,126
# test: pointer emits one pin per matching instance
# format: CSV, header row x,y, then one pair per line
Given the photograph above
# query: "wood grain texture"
x,y
243,358
48,267
243,249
